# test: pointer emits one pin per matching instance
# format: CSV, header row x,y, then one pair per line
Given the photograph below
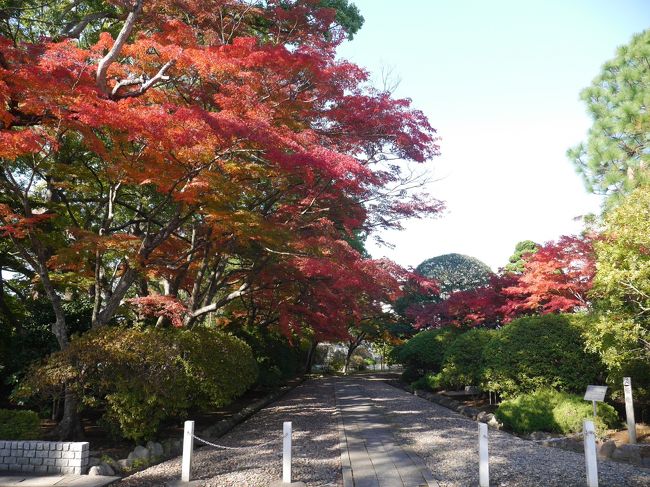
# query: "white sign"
x,y
595,393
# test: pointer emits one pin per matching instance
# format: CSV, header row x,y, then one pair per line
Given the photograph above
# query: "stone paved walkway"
x,y
370,454
18,480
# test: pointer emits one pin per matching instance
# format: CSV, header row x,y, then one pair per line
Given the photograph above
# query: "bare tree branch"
x,y
106,61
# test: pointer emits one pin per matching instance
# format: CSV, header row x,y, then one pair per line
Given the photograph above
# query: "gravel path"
x,y
447,442
316,458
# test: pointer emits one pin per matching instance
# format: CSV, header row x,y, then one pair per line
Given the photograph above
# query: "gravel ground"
x,y
447,441
316,458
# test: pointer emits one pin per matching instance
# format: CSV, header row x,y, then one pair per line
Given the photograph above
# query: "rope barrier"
x,y
237,447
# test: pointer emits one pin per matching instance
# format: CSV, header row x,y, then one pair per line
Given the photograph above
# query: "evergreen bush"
x,y
19,425
463,363
537,352
142,376
424,352
554,412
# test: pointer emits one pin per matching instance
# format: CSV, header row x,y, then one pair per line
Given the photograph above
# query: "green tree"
x,y
518,258
615,156
455,272
620,329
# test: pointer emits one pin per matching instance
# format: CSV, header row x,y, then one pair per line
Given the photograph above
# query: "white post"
x,y
188,451
484,466
590,453
629,409
593,403
286,453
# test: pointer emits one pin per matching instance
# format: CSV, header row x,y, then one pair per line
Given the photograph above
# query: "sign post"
x,y
629,409
188,451
595,394
591,461
484,462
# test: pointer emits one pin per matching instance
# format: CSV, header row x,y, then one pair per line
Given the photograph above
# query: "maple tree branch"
x,y
106,61
74,29
144,85
243,290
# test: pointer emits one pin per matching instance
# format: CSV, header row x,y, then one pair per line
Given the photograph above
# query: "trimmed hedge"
x,y
553,411
463,363
425,351
539,352
19,425
141,377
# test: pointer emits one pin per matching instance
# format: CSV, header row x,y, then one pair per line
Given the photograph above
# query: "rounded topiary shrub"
x,y
140,377
463,363
539,352
424,352
553,411
19,425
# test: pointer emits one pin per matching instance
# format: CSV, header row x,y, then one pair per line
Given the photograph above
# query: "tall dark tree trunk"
x,y
69,428
310,356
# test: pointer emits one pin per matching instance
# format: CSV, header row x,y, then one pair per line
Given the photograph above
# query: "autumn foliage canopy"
x,y
199,157
555,279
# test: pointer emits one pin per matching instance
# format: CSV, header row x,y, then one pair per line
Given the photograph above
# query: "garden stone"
x,y
125,464
630,453
95,470
156,449
607,449
539,435
494,422
112,462
106,469
140,453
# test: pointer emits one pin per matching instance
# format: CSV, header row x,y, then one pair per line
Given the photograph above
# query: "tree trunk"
x,y
310,356
69,428
348,357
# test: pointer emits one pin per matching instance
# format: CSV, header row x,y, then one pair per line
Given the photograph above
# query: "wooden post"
x,y
629,409
188,451
286,453
484,465
591,461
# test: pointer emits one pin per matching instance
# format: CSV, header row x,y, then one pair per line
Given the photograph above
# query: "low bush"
x,y
19,425
537,352
142,376
424,352
553,411
463,363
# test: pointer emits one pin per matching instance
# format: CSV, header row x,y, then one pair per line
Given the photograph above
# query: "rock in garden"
x,y
606,449
106,469
140,453
156,449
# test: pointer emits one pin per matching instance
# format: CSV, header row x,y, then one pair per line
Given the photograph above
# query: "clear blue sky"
x,y
500,81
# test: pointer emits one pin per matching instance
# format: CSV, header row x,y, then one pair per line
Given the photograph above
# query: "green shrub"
x,y
277,359
19,425
424,352
553,411
536,352
410,375
463,363
142,376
